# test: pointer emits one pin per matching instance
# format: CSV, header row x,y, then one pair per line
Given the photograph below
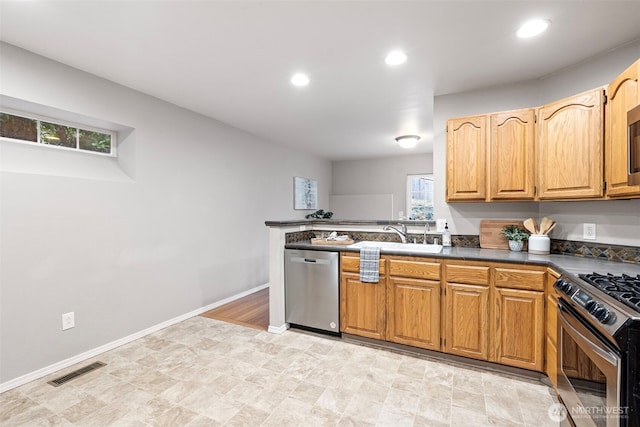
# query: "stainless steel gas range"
x,y
599,349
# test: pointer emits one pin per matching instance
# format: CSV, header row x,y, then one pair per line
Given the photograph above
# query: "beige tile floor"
x,y
203,372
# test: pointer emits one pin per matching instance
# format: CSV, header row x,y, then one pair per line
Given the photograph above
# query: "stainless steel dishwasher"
x,y
311,290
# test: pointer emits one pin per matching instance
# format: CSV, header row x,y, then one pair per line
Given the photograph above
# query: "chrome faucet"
x,y
402,234
427,227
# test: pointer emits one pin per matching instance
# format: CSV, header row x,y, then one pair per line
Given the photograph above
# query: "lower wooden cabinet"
x,y
519,328
552,363
413,312
466,312
551,359
485,311
362,306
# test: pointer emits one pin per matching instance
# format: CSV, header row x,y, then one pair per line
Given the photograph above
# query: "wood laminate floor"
x,y
251,311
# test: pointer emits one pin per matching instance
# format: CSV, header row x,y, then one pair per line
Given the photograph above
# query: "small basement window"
x,y
23,127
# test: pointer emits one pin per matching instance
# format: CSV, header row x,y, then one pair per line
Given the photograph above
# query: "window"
x,y
40,130
420,197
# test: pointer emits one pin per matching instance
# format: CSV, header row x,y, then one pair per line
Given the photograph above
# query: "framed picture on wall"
x,y
305,193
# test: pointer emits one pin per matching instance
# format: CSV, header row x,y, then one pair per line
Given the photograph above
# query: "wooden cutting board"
x,y
490,237
316,241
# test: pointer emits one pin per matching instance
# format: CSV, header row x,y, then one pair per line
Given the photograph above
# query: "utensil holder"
x,y
539,244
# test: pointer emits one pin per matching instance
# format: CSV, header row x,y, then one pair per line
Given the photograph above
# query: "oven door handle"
x,y
589,340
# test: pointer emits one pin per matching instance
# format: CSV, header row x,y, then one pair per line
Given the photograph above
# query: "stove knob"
x,y
564,286
592,306
602,314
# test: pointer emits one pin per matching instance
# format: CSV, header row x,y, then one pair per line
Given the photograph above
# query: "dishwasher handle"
x,y
302,260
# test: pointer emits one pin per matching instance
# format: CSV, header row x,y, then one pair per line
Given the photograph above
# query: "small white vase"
x,y
539,244
516,246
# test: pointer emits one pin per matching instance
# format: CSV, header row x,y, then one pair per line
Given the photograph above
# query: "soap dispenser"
x,y
446,236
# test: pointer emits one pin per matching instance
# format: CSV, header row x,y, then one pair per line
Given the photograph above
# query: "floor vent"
x,y
75,374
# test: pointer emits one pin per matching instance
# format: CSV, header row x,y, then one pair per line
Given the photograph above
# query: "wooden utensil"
x,y
531,226
545,224
551,227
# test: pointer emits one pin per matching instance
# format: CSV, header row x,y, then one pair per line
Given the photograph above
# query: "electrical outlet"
x,y
440,223
589,231
68,321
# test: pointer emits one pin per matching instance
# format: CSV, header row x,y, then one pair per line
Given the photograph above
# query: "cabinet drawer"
x,y
352,264
519,279
417,269
468,274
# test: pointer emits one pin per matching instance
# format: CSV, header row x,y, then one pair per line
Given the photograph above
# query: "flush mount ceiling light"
x,y
407,141
300,79
395,58
533,28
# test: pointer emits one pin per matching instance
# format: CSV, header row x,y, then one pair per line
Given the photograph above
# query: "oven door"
x,y
588,373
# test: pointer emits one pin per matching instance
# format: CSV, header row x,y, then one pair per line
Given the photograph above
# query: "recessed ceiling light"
x,y
533,28
407,141
300,79
395,58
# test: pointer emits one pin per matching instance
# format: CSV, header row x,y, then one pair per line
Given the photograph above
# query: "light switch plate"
x,y
68,321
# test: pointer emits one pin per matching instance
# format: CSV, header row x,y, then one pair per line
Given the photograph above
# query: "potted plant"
x,y
516,237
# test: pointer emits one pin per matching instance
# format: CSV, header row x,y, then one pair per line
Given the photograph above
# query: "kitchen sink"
x,y
400,247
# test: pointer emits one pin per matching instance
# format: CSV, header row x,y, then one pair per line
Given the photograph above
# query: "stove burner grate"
x,y
624,288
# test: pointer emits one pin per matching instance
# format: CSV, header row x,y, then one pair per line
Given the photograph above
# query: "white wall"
x,y
175,224
617,221
374,177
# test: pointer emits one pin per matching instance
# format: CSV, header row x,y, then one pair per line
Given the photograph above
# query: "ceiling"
x,y
233,60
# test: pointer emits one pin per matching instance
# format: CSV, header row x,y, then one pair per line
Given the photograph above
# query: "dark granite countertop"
x,y
344,222
567,264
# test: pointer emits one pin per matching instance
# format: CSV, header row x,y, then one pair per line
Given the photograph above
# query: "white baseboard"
x,y
278,329
17,382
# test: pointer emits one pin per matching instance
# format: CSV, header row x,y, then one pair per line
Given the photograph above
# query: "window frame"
x,y
408,206
78,126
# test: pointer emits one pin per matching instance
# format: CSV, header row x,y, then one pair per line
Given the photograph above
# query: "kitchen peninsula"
x,y
486,285
296,234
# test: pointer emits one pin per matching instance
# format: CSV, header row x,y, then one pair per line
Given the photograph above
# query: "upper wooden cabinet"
x,y
623,94
466,158
512,155
570,147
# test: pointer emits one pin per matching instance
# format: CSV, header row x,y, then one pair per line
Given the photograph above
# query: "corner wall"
x,y
174,224
374,177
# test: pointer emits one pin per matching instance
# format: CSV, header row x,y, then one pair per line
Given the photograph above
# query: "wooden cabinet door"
x,y
623,94
466,158
519,328
552,363
551,359
362,307
512,154
570,144
466,331
413,312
